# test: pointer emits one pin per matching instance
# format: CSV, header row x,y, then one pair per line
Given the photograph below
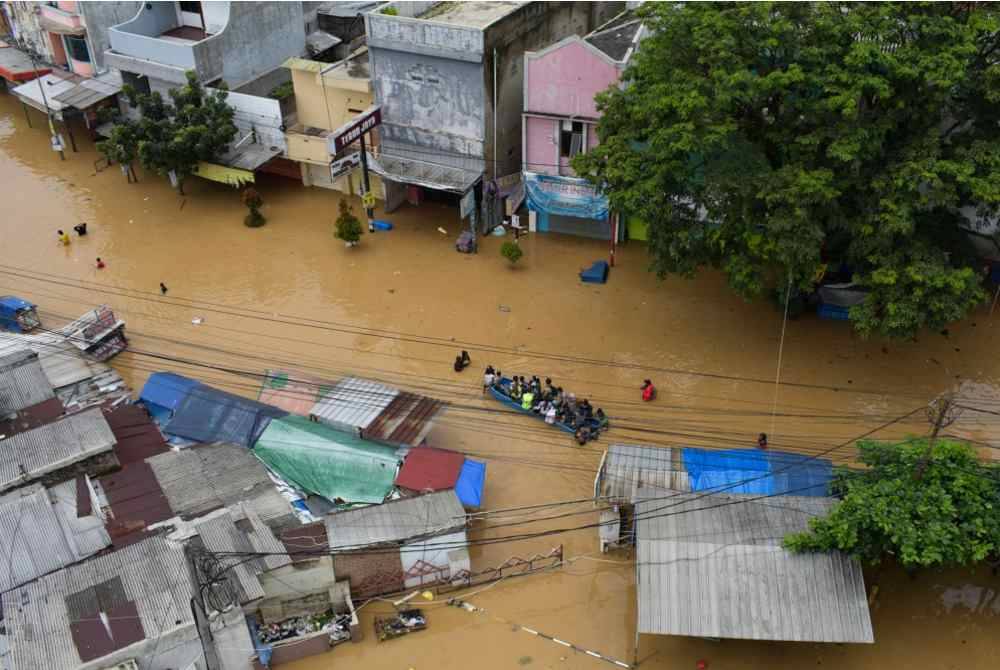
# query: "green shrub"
x,y
511,251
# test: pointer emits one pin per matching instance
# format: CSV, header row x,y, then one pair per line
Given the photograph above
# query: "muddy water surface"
x,y
402,304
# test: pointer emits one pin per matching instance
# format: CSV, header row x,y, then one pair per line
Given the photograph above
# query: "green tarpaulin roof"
x,y
327,462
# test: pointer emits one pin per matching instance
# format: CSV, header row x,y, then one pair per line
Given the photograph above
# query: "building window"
x,y
570,138
76,48
193,7
136,81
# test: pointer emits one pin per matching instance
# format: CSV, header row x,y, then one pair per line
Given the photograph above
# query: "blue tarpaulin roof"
x,y
757,472
166,390
211,415
471,482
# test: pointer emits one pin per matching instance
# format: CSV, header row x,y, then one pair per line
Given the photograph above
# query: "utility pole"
x,y
34,58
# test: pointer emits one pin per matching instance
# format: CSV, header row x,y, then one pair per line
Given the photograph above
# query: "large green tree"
x,y
771,139
925,506
172,138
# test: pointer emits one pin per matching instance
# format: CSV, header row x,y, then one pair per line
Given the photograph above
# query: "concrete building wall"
x,y
215,15
99,17
565,80
259,37
531,28
24,25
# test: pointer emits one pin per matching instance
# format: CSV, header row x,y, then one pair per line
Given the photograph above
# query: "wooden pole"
x,y
27,117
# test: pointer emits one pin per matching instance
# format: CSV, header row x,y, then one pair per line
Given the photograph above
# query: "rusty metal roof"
x,y
136,436
430,469
136,500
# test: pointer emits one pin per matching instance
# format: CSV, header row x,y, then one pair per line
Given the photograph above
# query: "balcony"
x,y
156,44
63,19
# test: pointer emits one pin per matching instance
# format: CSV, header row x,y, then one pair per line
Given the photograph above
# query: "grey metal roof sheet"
x,y
396,521
22,381
707,568
87,533
31,454
91,90
353,403
35,537
220,533
626,468
62,362
200,479
154,576
423,173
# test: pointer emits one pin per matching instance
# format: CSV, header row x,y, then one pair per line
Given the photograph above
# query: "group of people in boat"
x,y
550,402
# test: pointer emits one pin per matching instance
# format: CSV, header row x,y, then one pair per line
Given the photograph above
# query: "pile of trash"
x,y
337,625
404,622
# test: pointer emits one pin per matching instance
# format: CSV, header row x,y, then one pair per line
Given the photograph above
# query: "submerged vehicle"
x,y
17,315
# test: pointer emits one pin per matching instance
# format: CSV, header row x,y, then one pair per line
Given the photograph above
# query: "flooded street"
x,y
402,304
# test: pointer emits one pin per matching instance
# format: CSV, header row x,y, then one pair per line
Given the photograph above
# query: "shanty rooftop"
x,y
714,566
137,598
396,521
30,455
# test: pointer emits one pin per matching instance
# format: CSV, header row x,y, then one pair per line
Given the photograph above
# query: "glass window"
x,y
571,138
193,7
76,48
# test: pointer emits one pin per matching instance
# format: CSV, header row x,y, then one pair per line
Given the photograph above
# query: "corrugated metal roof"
x,y
423,173
32,417
136,500
200,479
309,538
29,455
136,436
708,568
430,469
154,578
84,528
396,521
89,91
626,468
221,532
22,381
35,538
353,403
62,362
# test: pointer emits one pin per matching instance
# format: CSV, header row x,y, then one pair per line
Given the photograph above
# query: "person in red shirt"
x,y
762,441
648,390
100,263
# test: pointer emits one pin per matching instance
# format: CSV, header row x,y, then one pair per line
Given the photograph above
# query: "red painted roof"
x,y
430,469
136,435
44,412
310,538
136,501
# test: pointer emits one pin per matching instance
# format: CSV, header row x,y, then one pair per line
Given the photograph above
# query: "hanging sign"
x,y
345,165
351,132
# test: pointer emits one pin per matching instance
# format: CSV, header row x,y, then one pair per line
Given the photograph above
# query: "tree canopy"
x,y
171,139
774,141
924,506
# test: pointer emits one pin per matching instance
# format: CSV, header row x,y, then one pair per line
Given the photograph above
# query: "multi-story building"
x,y
328,96
560,121
71,35
234,42
449,79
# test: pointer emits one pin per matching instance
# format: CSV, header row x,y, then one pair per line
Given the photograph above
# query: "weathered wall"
x,y
297,589
541,145
328,106
24,25
259,37
531,28
99,17
428,78
260,115
370,574
565,80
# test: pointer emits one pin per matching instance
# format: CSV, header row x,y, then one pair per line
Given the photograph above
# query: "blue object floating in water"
x,y
834,313
596,273
381,224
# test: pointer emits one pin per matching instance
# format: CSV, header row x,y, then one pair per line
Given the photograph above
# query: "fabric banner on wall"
x,y
565,196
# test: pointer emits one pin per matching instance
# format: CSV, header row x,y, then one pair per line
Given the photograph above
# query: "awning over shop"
x,y
64,91
224,174
422,173
564,196
15,66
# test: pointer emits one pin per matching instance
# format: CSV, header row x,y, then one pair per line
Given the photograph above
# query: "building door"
x,y
191,15
572,225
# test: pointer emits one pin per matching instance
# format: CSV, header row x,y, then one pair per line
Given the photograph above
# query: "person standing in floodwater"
x,y
63,238
762,441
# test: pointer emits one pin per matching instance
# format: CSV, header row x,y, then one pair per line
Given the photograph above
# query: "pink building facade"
x,y
560,121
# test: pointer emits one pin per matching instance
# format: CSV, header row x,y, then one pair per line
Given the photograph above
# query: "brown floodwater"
x,y
402,304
